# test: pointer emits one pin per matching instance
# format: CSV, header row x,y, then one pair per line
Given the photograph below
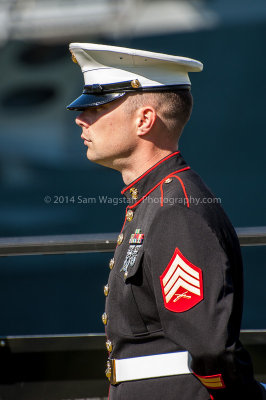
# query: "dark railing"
x,y
88,243
71,367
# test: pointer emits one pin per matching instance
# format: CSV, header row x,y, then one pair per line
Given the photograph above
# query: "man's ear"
x,y
146,117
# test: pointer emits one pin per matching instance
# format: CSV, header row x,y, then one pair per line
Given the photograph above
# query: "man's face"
x,y
108,133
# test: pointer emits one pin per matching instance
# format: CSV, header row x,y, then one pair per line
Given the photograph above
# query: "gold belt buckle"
x,y
110,371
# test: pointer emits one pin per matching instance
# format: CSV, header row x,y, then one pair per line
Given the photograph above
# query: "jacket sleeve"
x,y
195,285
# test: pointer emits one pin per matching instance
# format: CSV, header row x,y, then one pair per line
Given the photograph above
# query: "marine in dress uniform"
x,y
174,295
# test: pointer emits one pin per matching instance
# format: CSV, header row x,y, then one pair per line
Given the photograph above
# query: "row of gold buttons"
x,y
129,217
106,291
108,344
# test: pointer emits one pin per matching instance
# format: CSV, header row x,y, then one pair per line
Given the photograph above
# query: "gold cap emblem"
x,y
111,263
109,346
134,193
104,318
120,238
106,290
73,57
129,215
168,180
135,83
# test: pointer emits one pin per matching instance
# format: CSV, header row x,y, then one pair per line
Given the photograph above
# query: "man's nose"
x,y
80,121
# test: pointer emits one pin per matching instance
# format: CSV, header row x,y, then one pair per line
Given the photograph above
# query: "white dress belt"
x,y
145,367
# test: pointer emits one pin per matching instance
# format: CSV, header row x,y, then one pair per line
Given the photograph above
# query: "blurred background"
x,y
41,153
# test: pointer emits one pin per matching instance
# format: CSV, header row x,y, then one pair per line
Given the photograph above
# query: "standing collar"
x,y
141,186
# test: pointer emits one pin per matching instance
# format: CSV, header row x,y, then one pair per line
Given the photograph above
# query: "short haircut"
x,y
173,107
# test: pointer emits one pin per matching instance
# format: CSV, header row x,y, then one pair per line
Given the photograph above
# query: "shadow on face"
x,y
94,113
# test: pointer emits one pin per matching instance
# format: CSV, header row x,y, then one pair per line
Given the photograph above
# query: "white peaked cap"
x,y
110,72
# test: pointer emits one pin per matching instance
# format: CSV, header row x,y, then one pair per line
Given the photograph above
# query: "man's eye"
x,y
99,109
94,110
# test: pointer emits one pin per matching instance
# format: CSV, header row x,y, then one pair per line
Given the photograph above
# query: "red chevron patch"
x,y
181,283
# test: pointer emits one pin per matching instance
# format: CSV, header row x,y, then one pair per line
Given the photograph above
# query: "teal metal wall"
x,y
224,142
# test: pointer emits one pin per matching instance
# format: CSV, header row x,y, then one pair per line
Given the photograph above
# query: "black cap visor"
x,y
93,100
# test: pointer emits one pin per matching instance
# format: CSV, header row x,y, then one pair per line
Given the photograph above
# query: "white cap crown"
x,y
109,69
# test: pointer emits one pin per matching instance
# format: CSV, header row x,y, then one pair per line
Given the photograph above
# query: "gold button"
x,y
168,180
129,215
111,263
125,275
109,346
108,371
134,193
135,83
106,290
120,238
104,318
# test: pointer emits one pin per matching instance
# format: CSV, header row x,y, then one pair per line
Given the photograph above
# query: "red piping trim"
x,y
158,184
161,189
182,184
124,221
149,170
208,384
183,187
208,376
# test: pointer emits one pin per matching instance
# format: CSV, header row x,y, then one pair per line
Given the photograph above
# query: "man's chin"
x,y
96,158
92,157
100,160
